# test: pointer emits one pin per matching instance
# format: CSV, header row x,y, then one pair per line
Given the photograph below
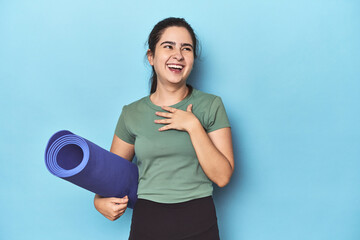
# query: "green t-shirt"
x,y
169,171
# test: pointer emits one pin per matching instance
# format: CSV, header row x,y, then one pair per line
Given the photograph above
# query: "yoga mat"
x,y
83,163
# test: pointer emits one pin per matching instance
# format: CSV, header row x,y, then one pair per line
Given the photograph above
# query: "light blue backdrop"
x,y
287,71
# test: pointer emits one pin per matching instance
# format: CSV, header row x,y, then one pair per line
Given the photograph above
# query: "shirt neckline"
x,y
176,105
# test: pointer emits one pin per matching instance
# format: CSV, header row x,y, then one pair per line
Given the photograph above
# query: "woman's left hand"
x,y
177,119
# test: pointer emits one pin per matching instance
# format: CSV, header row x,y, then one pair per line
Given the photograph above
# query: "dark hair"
x,y
155,36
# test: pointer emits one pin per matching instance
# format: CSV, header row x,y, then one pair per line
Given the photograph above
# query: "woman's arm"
x,y
113,208
215,153
122,148
214,150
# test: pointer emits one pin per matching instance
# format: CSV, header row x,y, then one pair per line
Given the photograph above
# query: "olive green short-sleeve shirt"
x,y
169,171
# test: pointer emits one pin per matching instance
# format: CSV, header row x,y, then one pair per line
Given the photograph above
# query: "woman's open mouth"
x,y
176,68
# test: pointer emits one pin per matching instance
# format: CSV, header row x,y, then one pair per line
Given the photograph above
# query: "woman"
x,y
182,140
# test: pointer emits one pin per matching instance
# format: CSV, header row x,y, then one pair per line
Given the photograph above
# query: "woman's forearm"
x,y
215,164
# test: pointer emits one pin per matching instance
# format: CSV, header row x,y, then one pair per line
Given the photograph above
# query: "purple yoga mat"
x,y
83,163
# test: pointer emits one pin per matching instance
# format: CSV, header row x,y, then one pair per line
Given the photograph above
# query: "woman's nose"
x,y
178,55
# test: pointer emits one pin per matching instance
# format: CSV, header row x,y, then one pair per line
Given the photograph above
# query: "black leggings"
x,y
192,220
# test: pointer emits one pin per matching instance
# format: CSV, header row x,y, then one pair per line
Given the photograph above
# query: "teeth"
x,y
175,66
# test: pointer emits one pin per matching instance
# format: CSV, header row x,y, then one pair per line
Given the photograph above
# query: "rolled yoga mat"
x,y
89,166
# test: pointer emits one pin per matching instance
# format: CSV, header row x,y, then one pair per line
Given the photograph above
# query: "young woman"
x,y
182,140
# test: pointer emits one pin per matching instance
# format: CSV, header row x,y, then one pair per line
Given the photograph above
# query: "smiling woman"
x,y
182,140
176,55
172,59
156,34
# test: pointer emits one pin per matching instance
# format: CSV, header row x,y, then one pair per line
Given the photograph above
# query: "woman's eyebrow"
x,y
173,43
187,44
168,42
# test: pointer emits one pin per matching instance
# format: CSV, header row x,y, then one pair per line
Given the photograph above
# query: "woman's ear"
x,y
150,57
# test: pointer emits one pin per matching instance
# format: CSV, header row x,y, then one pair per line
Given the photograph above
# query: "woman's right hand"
x,y
112,208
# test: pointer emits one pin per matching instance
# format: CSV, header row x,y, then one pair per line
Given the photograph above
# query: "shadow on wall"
x,y
222,195
195,79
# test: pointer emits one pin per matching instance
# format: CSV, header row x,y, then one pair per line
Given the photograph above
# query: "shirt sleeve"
x,y
217,116
122,130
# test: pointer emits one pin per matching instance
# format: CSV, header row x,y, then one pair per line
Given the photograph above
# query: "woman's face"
x,y
174,57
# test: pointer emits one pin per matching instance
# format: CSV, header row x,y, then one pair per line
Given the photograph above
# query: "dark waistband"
x,y
189,203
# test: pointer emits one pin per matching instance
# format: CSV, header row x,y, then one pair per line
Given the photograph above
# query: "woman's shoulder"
x,y
137,103
204,97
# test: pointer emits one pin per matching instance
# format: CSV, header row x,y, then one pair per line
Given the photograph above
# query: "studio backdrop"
x,y
287,71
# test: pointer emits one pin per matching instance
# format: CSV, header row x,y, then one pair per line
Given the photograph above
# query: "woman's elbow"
x,y
223,181
222,178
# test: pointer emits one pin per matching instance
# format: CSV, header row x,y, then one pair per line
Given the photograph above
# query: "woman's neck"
x,y
167,95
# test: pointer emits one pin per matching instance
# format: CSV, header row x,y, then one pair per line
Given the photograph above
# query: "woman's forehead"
x,y
178,35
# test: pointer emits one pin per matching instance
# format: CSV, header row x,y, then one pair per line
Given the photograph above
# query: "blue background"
x,y
288,73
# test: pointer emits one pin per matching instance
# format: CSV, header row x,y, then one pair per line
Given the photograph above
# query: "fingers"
x,y
169,109
163,121
175,118
119,200
166,127
172,110
112,208
119,204
113,217
164,114
189,108
118,208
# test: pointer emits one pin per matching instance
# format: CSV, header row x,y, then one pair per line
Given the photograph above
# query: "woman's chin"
x,y
175,81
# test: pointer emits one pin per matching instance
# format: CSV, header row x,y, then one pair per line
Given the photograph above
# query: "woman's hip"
x,y
194,219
